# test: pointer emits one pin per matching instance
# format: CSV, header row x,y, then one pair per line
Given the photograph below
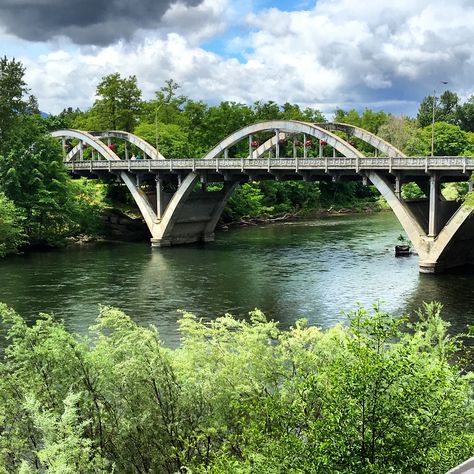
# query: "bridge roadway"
x,y
178,207
451,165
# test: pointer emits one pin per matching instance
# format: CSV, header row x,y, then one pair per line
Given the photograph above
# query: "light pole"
x,y
156,131
433,118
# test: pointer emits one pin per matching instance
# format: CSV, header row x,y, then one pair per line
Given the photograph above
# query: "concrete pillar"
x,y
81,150
397,187
159,197
277,143
250,146
433,209
469,186
63,140
305,152
126,150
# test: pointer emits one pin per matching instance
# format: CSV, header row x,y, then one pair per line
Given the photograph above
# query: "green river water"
x,y
306,269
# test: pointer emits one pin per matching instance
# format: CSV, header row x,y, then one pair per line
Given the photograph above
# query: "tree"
x,y
172,139
12,90
32,175
449,140
465,115
445,109
12,234
399,131
118,105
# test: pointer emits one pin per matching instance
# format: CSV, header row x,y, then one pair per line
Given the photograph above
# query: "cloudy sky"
x,y
325,54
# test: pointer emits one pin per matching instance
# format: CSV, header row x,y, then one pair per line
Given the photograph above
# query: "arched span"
x,y
166,227
403,213
367,137
88,138
126,136
289,126
142,201
132,139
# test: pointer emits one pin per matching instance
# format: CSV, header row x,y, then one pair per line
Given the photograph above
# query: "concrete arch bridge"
x,y
178,207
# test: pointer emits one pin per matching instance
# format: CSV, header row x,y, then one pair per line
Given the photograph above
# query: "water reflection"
x,y
313,270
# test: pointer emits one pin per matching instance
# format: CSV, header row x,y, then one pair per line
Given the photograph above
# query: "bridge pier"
x,y
160,242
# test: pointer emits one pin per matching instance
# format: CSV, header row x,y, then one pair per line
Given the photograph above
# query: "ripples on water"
x,y
307,269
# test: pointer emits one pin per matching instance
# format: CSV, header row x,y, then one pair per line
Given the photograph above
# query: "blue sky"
x,y
324,54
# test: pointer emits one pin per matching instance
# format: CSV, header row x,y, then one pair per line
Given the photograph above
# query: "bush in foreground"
x,y
236,397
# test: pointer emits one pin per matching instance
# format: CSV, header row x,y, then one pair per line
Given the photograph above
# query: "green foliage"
x,y
12,234
465,115
369,120
237,396
247,201
446,107
399,131
12,90
412,191
118,105
450,140
32,175
172,139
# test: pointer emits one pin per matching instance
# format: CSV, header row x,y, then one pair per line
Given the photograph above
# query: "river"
x,y
314,269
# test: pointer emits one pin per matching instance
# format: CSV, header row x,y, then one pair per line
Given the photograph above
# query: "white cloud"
x,y
340,53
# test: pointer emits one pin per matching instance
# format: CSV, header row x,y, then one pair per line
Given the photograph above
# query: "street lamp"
x,y
433,119
156,131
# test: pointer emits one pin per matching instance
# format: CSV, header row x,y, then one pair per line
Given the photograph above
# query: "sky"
x,y
327,54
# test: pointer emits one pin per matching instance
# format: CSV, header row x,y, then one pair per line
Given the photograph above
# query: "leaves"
x,y
237,396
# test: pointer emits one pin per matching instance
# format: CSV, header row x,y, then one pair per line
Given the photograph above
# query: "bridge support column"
x,y
433,207
159,197
277,143
397,186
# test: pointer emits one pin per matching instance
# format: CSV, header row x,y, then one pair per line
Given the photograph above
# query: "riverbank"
x,y
308,214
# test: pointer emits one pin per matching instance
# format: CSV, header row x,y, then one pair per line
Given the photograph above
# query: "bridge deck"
x,y
423,164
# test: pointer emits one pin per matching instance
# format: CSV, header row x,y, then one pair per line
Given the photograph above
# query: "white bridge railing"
x,y
457,163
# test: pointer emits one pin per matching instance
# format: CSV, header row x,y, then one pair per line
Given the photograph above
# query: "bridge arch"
x,y
378,143
140,198
401,210
128,137
364,135
285,126
87,137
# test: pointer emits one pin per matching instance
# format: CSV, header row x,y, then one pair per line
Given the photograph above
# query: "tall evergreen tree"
x,y
12,90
